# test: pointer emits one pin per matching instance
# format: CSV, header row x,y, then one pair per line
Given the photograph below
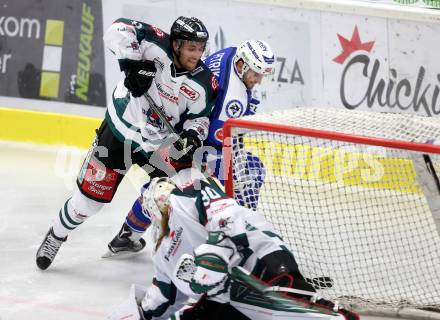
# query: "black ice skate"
x,y
48,249
122,243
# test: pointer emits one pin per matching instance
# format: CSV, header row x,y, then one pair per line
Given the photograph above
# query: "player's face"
x,y
190,53
251,78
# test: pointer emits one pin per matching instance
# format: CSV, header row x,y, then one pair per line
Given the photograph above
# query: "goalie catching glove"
x,y
211,267
138,76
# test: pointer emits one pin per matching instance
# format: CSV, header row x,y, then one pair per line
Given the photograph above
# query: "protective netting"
x,y
353,212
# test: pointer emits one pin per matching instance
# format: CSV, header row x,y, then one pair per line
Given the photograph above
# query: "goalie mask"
x,y
257,56
155,199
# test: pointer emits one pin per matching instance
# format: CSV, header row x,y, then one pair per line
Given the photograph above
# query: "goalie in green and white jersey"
x,y
201,235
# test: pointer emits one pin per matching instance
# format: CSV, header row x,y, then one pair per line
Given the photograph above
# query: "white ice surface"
x,y
79,284
35,182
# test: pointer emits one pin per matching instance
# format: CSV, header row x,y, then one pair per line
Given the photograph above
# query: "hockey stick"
x,y
163,118
173,132
432,170
272,294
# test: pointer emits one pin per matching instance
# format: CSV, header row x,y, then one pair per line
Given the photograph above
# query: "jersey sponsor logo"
x,y
223,223
234,109
158,32
176,240
219,134
218,206
134,45
167,93
98,181
154,119
214,83
189,92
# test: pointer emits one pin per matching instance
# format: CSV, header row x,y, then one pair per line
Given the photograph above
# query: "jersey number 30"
x,y
209,194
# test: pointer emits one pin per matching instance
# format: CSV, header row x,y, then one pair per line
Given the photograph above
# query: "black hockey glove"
x,y
191,143
138,76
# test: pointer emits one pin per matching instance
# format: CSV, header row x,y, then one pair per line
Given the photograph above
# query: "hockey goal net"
x,y
353,193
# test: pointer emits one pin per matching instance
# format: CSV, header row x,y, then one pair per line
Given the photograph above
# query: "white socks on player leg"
x,y
74,211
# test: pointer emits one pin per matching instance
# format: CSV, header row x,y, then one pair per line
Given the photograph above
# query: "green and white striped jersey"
x,y
199,206
186,98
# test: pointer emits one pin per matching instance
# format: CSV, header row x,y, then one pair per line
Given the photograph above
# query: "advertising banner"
x,y
351,61
413,3
381,65
288,32
52,50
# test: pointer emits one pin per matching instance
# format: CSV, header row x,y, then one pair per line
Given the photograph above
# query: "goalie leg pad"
x,y
279,268
213,310
129,309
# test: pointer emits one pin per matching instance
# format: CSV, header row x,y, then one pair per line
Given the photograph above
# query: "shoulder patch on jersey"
x,y
219,134
234,109
214,82
158,32
205,78
189,92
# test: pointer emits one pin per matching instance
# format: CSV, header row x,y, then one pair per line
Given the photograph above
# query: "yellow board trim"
x,y
47,128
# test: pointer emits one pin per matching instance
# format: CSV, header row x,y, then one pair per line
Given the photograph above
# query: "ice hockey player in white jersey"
x,y
202,234
160,70
238,70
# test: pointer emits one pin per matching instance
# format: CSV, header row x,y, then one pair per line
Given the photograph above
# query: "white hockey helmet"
x,y
257,56
155,199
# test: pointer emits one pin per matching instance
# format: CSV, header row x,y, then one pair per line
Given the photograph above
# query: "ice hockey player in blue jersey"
x,y
238,70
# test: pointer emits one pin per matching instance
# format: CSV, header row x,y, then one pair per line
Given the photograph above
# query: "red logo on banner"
x,y
352,45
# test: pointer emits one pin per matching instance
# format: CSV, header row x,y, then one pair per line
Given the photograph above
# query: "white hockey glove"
x,y
130,309
211,267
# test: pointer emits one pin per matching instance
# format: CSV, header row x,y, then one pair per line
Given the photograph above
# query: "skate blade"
x,y
111,254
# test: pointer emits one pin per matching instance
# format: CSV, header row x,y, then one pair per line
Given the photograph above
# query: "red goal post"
x,y
378,239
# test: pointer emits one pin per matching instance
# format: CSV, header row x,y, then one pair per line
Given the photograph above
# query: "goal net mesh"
x,y
351,211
